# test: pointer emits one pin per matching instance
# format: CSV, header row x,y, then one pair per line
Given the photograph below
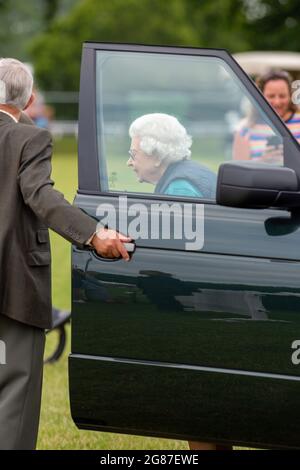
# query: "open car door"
x,y
196,337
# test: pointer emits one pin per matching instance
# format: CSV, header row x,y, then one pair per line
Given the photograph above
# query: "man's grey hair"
x,y
163,136
16,82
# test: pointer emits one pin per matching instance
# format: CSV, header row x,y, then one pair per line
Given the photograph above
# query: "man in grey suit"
x,y
28,206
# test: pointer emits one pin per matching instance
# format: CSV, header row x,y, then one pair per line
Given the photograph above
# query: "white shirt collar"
x,y
8,114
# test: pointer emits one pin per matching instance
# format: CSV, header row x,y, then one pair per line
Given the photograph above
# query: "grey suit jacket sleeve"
x,y
49,205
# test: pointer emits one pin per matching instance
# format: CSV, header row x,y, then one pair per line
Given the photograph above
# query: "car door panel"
x,y
183,402
226,310
268,233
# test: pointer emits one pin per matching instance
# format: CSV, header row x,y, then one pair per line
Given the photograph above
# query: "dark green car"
x,y
192,339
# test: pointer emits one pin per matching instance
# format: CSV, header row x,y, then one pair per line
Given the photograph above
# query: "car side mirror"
x,y
257,185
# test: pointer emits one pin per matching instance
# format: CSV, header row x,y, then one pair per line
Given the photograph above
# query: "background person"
x,y
254,141
40,113
160,154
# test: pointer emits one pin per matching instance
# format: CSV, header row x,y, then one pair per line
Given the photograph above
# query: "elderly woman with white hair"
x,y
160,154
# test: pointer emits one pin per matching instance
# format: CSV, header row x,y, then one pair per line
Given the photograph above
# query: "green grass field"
x,y
57,430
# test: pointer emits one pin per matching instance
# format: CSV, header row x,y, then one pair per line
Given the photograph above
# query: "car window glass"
x,y
170,99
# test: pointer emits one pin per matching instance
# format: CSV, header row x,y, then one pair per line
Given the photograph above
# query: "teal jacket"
x,y
187,178
181,187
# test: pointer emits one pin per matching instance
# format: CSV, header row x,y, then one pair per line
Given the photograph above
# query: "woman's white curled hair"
x,y
163,136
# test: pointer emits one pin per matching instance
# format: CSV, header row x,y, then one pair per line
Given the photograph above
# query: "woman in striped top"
x,y
255,139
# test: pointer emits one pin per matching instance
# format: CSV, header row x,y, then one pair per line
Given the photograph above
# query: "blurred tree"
x,y
273,24
54,8
56,54
237,25
50,10
22,20
19,22
219,23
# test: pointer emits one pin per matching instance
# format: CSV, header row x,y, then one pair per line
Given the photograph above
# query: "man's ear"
x,y
30,101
